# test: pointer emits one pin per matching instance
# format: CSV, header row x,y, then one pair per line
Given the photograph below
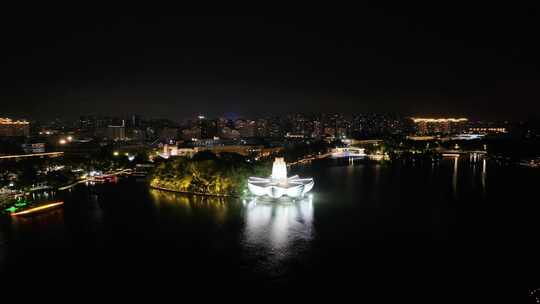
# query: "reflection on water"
x,y
38,221
477,175
484,173
279,229
42,195
190,204
3,248
115,227
95,213
455,177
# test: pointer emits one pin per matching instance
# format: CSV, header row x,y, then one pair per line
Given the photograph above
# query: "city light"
x,y
116,153
439,120
62,141
69,138
9,121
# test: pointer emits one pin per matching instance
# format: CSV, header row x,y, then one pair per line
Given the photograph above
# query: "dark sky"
x,y
481,62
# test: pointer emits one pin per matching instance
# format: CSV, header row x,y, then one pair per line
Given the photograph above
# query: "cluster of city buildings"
x,y
240,135
96,138
292,126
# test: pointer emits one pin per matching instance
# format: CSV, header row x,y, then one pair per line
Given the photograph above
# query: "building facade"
x,y
116,132
425,126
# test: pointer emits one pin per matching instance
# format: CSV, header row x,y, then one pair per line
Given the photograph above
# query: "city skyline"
x,y
180,120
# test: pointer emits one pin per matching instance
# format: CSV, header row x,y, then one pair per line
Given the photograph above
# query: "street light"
x,y
116,153
62,141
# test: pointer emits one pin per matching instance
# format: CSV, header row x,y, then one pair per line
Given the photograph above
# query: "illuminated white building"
x,y
174,150
278,184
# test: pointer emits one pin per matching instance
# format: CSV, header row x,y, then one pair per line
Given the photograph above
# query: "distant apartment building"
x,y
275,129
222,123
247,129
14,128
168,134
425,126
317,129
138,134
228,133
208,127
335,132
116,132
191,133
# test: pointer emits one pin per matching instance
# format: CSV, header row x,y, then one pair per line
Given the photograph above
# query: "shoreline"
x,y
193,193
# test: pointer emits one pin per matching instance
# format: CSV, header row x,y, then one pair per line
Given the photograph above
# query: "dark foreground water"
x,y
369,230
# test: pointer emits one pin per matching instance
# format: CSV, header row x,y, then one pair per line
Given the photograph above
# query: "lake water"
x,y
388,230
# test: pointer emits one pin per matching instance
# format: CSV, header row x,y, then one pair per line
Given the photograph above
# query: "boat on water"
x,y
23,207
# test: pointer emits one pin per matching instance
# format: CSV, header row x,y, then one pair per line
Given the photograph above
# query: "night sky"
x,y
481,62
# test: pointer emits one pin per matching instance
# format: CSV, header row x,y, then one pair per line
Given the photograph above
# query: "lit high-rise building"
x,y
247,129
229,133
439,125
208,127
261,127
116,132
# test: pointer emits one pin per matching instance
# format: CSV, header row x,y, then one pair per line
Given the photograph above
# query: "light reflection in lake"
x,y
484,174
3,248
279,229
455,178
217,207
38,221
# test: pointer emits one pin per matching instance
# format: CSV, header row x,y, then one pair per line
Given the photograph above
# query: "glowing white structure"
x,y
278,184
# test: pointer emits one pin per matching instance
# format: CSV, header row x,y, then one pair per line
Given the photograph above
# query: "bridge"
x,y
347,152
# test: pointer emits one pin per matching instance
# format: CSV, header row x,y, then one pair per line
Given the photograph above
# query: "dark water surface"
x,y
386,230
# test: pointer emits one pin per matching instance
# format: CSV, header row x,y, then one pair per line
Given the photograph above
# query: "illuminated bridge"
x,y
347,152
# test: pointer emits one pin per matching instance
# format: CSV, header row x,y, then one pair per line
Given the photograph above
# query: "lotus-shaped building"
x,y
278,184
